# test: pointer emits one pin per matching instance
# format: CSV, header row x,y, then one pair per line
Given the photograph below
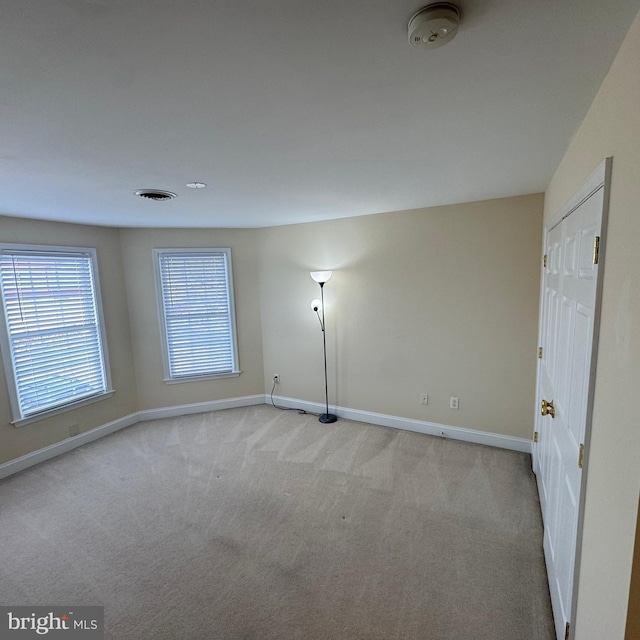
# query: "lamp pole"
x,y
321,278
326,417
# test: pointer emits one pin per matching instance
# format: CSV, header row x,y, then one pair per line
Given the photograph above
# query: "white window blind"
x,y
198,322
54,338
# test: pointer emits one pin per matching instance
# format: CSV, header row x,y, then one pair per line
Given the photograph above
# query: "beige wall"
x,y
611,128
137,247
441,300
15,442
633,615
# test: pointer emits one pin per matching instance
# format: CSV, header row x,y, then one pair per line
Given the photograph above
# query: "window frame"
x,y
19,419
235,369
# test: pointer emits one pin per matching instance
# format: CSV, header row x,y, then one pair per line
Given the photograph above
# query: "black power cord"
x,y
300,411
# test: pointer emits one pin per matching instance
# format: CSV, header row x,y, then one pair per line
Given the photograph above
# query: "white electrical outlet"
x,y
424,398
454,403
276,378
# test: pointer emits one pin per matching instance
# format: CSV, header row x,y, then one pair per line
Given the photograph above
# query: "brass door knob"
x,y
547,408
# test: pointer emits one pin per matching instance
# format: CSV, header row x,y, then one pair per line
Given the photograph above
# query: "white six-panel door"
x,y
565,378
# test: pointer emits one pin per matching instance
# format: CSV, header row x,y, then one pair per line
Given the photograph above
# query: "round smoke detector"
x,y
155,194
434,25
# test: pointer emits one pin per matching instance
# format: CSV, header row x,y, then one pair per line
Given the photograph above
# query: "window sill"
x,y
62,409
210,376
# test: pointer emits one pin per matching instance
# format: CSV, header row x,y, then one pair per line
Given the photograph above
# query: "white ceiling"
x,y
290,110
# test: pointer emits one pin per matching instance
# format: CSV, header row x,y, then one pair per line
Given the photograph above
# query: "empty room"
x,y
320,320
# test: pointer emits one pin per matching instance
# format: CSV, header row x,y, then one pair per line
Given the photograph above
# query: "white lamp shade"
x,y
321,276
316,305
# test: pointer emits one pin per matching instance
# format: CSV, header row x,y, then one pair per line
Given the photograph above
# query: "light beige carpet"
x,y
257,524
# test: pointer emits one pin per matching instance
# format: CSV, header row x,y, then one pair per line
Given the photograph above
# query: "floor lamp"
x,y
318,305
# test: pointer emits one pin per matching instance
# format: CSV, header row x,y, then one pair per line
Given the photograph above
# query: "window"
x,y
53,342
197,317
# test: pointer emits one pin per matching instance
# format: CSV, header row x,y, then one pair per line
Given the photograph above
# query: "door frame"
x,y
599,179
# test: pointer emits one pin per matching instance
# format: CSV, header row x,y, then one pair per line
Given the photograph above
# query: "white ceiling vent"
x,y
155,194
434,25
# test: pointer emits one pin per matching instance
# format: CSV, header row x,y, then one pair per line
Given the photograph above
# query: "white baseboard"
x,y
199,407
420,426
58,448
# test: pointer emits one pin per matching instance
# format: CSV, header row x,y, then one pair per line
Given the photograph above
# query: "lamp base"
x,y
327,418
